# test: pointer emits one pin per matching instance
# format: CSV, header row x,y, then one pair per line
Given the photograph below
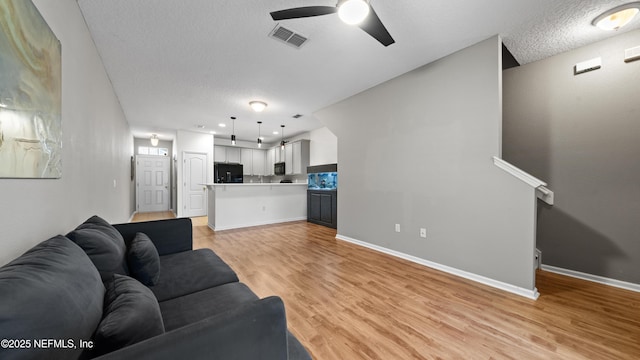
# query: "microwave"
x,y
278,168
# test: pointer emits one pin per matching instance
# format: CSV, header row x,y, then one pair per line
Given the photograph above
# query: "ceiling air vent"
x,y
288,36
297,116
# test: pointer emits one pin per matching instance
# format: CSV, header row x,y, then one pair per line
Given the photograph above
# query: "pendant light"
x,y
233,131
259,140
282,137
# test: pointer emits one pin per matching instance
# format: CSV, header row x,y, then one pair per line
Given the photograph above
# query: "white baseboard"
x,y
239,226
531,294
132,215
594,278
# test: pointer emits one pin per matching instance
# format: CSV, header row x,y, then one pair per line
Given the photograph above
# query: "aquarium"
x,y
323,181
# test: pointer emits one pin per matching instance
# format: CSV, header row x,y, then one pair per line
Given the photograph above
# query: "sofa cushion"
x,y
194,307
143,260
53,291
191,271
131,314
104,245
295,350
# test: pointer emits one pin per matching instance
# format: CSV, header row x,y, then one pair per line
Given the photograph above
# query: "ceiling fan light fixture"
x,y
258,106
617,17
353,12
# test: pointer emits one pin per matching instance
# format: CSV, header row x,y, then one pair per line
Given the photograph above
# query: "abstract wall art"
x,y
30,94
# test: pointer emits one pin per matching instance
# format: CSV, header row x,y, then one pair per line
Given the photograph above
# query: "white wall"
x,y
96,148
417,151
192,142
323,147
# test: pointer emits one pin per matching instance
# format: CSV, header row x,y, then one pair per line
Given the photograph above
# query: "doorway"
x,y
194,190
152,183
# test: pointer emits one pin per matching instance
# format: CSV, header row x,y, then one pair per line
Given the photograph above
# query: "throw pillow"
x,y
50,292
103,244
143,260
131,314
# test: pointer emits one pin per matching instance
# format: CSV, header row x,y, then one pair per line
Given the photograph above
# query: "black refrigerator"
x,y
227,173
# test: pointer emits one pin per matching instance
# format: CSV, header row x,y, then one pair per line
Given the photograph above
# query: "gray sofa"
x,y
93,293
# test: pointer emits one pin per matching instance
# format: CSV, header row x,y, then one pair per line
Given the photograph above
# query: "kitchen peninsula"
x,y
234,206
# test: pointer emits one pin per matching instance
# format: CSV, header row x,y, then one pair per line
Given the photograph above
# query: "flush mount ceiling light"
x,y
617,17
233,131
353,12
259,138
258,106
154,140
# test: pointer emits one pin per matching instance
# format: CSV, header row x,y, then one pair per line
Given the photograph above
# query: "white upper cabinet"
x,y
288,159
233,154
246,159
219,153
258,159
270,161
296,157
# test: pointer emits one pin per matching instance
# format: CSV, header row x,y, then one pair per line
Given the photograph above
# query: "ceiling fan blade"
x,y
303,12
374,27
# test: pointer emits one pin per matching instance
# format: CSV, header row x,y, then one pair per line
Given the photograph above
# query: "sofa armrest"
x,y
256,330
169,236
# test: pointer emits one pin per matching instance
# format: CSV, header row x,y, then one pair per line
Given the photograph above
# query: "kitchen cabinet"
x,y
233,154
219,153
226,154
278,154
288,159
246,159
322,207
296,157
270,160
258,159
252,161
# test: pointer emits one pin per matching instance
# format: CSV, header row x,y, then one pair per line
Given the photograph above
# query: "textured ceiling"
x,y
176,64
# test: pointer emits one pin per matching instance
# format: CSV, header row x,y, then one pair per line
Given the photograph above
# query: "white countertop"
x,y
256,184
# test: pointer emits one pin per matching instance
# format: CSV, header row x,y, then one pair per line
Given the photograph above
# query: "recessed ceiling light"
x,y
617,17
222,125
275,133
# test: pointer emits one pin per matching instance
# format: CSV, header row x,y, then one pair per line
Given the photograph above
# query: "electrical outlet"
x,y
397,227
423,232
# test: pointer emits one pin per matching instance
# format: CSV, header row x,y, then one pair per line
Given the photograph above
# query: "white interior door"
x,y
152,183
195,175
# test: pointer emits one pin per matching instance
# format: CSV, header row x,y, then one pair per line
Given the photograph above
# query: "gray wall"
x,y
97,147
417,150
581,134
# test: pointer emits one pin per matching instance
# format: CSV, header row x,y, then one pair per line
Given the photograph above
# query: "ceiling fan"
x,y
352,12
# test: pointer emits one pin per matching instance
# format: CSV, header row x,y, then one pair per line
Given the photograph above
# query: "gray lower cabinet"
x,y
322,207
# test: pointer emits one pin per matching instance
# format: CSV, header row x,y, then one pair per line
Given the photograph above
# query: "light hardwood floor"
x,y
347,302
